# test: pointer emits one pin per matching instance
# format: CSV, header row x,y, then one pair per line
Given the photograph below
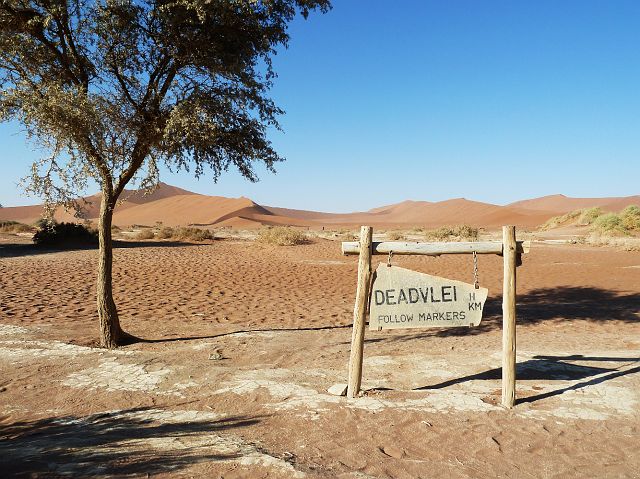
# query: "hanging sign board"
x,y
401,298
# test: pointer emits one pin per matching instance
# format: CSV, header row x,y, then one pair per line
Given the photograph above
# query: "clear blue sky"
x,y
494,101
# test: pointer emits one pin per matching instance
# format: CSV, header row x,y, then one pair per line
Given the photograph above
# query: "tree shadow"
x,y
133,441
551,368
243,331
14,250
566,303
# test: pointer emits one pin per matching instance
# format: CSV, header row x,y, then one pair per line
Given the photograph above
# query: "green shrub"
x,y
282,236
15,227
589,215
453,233
631,218
53,234
609,223
145,234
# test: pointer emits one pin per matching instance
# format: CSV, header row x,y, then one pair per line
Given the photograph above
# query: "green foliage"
x,y
14,227
589,215
114,88
282,236
631,218
60,235
625,223
453,233
610,223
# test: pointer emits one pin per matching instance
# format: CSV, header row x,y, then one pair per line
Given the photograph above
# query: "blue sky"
x,y
493,101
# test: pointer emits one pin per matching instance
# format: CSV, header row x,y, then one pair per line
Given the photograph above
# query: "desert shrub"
x,y
282,236
15,227
349,237
193,234
589,215
631,218
395,236
145,234
560,220
64,234
115,229
165,232
453,233
609,223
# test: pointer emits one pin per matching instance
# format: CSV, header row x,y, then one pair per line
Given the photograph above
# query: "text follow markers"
x,y
401,298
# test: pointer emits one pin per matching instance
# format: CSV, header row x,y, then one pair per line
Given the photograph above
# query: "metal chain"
x,y
389,258
476,284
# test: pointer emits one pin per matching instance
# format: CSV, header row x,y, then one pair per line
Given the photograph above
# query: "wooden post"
x,y
509,317
359,312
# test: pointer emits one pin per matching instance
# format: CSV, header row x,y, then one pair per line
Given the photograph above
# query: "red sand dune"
x,y
565,204
174,206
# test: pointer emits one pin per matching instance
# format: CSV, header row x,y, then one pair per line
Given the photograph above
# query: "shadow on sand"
x,y
14,250
553,368
120,443
549,304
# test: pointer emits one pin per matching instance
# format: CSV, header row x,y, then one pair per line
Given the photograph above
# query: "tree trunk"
x,y
111,335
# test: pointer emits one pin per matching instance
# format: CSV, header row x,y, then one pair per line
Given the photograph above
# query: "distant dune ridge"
x,y
174,206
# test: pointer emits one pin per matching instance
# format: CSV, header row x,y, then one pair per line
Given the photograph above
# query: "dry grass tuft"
x,y
185,234
395,236
560,220
282,236
15,227
145,234
453,233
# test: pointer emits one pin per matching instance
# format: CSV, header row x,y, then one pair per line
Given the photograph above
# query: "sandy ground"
x,y
246,339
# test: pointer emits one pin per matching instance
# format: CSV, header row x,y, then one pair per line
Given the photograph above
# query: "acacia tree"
x,y
114,88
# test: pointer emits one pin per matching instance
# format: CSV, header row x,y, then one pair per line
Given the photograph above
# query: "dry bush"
x,y
349,237
145,234
184,233
15,227
395,236
453,233
165,233
282,236
193,234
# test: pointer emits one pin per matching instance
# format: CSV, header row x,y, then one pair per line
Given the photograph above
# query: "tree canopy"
x,y
111,89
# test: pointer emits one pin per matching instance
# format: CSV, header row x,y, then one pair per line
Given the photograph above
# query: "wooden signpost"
x,y
401,298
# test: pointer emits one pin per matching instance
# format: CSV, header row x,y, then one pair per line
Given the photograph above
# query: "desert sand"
x,y
174,206
244,340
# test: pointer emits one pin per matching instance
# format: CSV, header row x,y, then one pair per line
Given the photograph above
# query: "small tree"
x,y
112,88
